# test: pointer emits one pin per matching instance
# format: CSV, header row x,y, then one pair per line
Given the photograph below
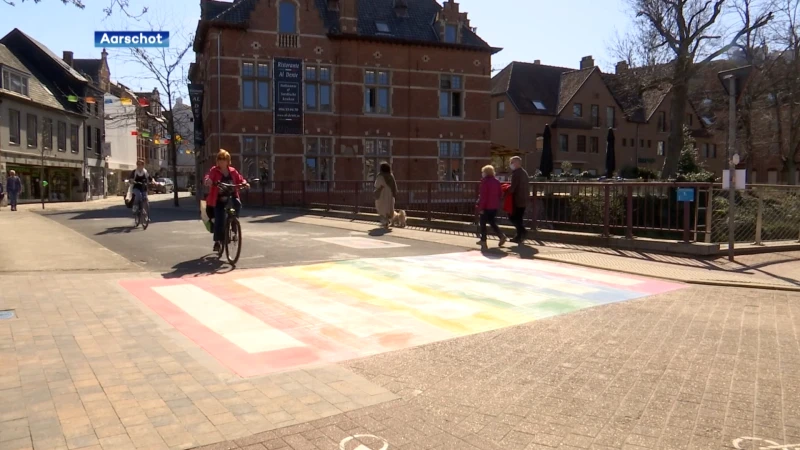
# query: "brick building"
x,y
326,89
580,105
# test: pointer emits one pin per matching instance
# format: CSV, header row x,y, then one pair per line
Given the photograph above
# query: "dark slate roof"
x,y
639,102
418,26
528,83
211,8
571,82
52,56
90,67
38,91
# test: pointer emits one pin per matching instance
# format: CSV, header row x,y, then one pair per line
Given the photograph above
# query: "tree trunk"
x,y
678,99
173,151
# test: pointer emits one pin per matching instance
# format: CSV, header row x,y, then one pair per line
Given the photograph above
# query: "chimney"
x,y
622,66
538,62
68,58
587,62
348,16
401,8
104,54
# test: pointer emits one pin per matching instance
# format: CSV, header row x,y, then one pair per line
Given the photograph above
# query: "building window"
x,y
255,85
74,138
611,120
450,96
451,33
660,151
32,131
690,119
451,161
714,150
318,88
662,121
319,159
287,17
649,144
501,110
624,142
582,144
376,91
62,136
257,159
641,143
577,110
13,127
594,145
89,139
47,133
15,82
596,116
98,144
706,151
376,151
563,142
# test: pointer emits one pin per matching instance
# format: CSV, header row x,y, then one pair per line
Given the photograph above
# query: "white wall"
x,y
120,121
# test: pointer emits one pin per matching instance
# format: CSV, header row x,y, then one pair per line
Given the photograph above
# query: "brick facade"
x,y
412,126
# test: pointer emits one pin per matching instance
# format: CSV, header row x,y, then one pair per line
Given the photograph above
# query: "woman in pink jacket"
x,y
488,202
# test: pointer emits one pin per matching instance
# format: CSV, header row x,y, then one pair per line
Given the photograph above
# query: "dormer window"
x,y
451,33
287,17
538,105
15,82
382,27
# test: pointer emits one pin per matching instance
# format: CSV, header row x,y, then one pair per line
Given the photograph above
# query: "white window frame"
x,y
444,170
296,17
373,154
446,90
501,109
24,82
373,86
11,129
448,27
314,149
661,148
47,133
259,79
611,117
317,84
255,156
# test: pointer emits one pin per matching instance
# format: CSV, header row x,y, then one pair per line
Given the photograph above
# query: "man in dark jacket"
x,y
519,192
14,188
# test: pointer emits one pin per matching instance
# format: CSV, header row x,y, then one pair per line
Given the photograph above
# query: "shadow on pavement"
x,y
524,251
117,230
493,253
204,266
379,232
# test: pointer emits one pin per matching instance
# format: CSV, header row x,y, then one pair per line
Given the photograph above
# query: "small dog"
x,y
399,219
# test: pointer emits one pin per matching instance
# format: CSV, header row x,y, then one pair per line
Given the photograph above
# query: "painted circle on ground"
x,y
379,442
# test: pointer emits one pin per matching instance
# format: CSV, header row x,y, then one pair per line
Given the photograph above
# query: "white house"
x,y
120,122
184,127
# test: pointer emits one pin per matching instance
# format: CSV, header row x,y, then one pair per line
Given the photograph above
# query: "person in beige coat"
x,y
385,194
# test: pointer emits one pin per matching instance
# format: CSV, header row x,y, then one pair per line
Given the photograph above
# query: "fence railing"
x,y
626,209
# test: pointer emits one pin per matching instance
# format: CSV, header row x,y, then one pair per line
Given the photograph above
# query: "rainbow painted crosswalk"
x,y
263,321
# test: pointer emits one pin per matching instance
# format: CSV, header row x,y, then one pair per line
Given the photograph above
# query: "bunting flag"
x,y
89,100
134,133
108,101
72,98
155,141
143,102
126,101
145,134
178,138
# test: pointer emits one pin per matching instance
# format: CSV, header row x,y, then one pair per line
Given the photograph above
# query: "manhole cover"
x,y
7,314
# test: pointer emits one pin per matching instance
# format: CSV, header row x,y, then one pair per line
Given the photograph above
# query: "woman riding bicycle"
x,y
218,199
140,180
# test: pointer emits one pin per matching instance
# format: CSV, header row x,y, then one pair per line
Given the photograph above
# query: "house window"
x,y
255,85
450,95
714,150
641,143
98,144
662,121
318,88
257,159
582,144
624,142
451,161
594,145
382,27
15,82
649,144
13,127
47,133
74,138
501,110
89,139
376,91
450,33
611,120
596,116
577,110
660,151
376,151
32,131
287,17
563,142
706,151
690,119
319,159
62,136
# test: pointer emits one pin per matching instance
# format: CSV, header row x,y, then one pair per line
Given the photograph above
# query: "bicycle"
x,y
140,216
233,228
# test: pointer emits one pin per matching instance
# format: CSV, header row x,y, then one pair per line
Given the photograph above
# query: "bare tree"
x,y
165,67
113,5
784,97
690,34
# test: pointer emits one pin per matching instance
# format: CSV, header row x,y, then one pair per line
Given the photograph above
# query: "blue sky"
x,y
556,32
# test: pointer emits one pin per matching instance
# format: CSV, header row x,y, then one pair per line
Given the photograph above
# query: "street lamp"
x,y
734,82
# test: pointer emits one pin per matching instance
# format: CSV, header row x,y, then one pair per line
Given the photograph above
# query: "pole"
x,y
41,178
731,167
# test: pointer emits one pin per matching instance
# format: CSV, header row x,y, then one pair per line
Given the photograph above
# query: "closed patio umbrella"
x,y
546,164
611,158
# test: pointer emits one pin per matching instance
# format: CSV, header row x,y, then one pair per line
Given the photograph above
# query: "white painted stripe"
x,y
240,328
315,304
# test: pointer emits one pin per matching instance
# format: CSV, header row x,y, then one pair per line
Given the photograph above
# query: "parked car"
x,y
164,186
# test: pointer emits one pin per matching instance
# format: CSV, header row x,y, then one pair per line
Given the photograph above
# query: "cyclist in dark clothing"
x,y
140,180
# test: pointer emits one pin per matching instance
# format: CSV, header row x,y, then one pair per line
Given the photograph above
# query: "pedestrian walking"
x,y
385,194
519,192
14,188
2,195
488,202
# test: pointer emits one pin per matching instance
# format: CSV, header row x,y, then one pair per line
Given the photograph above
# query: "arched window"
x,y
287,17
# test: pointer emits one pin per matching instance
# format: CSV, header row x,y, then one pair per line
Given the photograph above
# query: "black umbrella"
x,y
611,158
546,165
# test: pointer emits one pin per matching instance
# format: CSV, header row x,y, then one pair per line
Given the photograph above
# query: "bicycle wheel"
x,y
136,219
233,240
144,219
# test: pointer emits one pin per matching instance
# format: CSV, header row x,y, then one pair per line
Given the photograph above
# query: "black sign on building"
x,y
196,98
288,96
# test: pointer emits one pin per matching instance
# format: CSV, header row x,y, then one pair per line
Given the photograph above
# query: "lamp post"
x,y
733,81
